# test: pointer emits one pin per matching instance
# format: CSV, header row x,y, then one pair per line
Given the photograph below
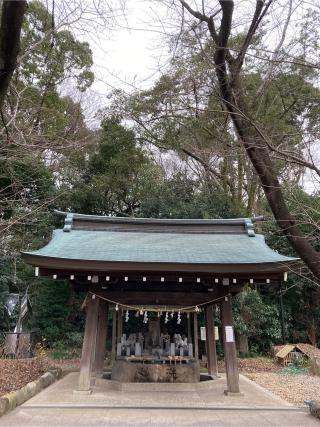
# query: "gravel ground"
x,y
294,388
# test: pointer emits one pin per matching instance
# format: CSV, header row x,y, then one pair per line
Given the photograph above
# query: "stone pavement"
x,y
202,404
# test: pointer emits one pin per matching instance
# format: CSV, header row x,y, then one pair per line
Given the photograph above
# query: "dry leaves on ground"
x,y
258,364
15,374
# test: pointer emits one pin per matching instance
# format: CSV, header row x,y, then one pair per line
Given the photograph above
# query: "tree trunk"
x,y
312,332
242,343
228,68
11,22
261,161
235,103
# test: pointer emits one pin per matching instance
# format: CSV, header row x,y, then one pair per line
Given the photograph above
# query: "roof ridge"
x,y
190,221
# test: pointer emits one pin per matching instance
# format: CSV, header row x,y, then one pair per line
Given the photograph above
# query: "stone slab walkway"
x,y
202,404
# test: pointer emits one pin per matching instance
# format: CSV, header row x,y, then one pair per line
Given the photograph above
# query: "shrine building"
x,y
160,271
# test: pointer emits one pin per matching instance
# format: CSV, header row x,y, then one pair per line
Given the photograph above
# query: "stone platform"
x,y
203,394
156,404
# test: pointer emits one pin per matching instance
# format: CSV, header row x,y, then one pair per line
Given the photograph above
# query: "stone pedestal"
x,y
125,371
119,349
172,349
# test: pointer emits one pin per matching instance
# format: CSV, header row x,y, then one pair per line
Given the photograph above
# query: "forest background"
x,y
173,150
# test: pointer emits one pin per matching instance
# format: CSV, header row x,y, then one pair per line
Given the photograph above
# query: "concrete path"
x,y
202,404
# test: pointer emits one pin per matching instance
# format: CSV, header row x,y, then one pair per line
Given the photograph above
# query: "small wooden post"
x,y
230,353
283,333
102,331
89,341
211,342
195,335
114,335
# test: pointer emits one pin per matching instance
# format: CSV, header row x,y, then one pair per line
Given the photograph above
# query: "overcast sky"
x,y
128,53
131,54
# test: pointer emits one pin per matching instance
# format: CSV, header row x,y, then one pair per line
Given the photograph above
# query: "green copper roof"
x,y
162,247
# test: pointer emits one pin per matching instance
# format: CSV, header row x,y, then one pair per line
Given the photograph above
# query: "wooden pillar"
x,y
195,335
120,325
189,328
89,342
230,353
211,342
114,335
102,331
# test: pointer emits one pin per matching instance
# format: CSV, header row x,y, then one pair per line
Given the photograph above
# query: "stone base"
x,y
214,377
82,392
232,393
98,375
131,372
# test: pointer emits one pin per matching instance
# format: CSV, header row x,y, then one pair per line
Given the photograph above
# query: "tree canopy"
x,y
229,128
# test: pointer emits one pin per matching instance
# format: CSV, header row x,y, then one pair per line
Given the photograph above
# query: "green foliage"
x,y
68,348
256,320
114,175
37,117
253,352
57,56
56,311
182,197
27,180
301,295
38,122
299,365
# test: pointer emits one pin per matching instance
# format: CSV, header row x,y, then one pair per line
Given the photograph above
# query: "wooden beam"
x,y
242,275
211,342
195,335
230,354
89,341
171,299
114,335
102,331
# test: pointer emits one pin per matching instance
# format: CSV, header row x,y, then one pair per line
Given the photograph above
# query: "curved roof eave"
x,y
268,268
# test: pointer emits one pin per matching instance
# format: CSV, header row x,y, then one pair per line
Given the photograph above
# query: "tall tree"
x,y
111,177
228,67
182,112
40,126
